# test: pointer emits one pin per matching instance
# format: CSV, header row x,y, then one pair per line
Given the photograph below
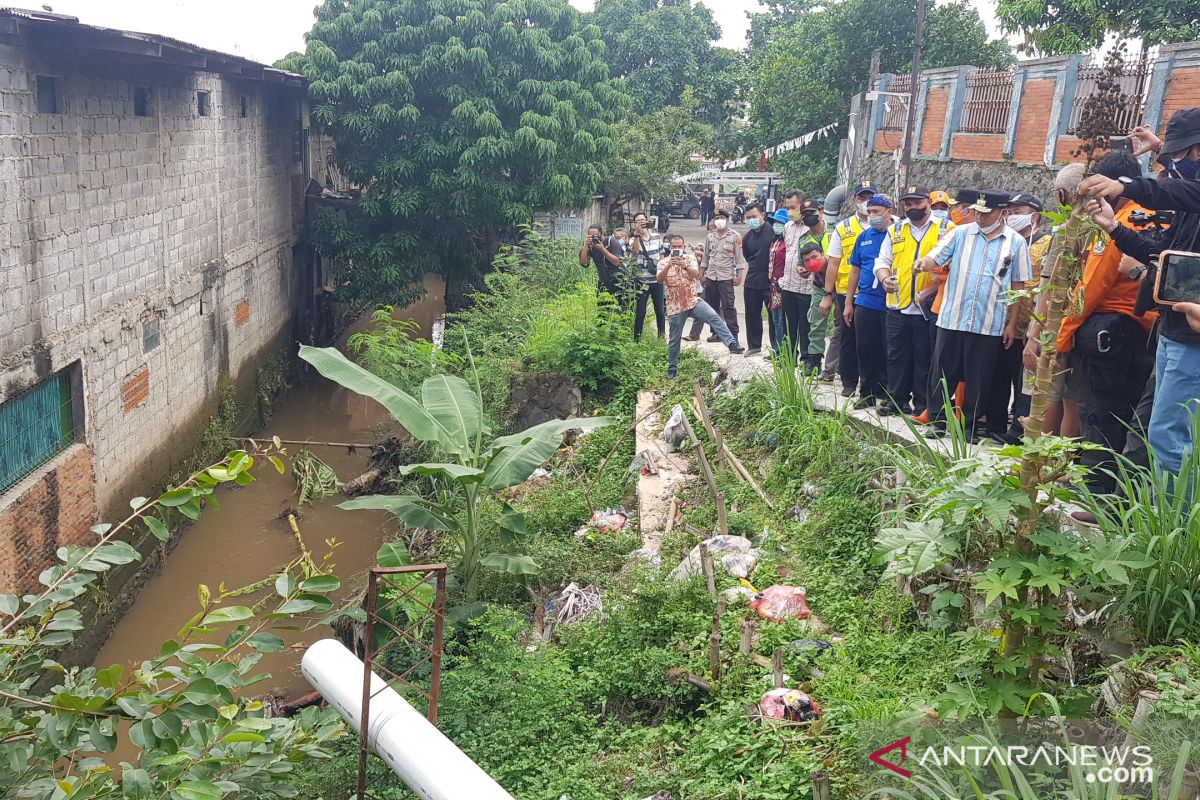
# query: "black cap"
x,y
991,200
810,204
966,196
1026,200
915,192
1183,130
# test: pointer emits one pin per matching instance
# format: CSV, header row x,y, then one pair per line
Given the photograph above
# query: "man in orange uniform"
x,y
1108,338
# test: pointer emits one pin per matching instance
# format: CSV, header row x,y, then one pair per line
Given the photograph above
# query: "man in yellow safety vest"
x,y
837,284
909,348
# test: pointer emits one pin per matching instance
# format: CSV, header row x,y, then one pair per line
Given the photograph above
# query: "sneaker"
x,y
690,338
671,374
753,351
713,338
864,402
736,348
827,377
847,392
1085,517
889,410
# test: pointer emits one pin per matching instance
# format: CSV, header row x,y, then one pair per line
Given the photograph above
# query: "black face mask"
x,y
917,214
811,221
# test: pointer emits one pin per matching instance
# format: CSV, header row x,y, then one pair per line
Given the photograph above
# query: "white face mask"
x,y
988,229
720,223
862,207
1019,222
778,228
940,214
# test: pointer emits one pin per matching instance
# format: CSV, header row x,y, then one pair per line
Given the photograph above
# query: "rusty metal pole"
x,y
913,92
368,651
439,619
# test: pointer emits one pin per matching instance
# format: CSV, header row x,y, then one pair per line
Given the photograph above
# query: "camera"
x,y
1160,218
596,240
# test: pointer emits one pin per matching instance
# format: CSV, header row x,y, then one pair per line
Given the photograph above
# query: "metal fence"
x,y
1134,81
988,98
894,107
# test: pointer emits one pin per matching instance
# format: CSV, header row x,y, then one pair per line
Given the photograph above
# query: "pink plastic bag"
x,y
790,704
779,602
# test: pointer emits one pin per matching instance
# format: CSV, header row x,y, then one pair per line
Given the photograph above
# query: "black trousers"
x,y
848,350
968,358
1005,389
871,344
1115,365
908,356
795,321
705,216
756,300
719,295
650,292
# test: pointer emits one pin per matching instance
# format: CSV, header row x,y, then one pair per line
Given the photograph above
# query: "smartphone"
x,y
1120,143
676,253
1178,278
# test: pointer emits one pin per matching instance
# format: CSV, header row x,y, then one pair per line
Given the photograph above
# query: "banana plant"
x,y
449,415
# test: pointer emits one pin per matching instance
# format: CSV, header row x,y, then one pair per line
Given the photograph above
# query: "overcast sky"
x,y
266,30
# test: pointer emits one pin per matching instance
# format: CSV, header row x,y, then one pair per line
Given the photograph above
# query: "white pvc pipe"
x,y
428,763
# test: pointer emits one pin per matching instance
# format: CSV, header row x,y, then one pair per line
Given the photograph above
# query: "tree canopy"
x,y
1055,27
460,118
653,148
808,59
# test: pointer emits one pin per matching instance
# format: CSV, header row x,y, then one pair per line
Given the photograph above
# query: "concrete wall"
x,y
110,222
1024,155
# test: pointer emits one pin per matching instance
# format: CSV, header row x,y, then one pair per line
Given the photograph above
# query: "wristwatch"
x,y
1137,272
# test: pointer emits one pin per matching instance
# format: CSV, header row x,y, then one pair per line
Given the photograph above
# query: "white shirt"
x,y
884,260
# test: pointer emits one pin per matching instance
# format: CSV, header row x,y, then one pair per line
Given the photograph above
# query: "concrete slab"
x,y
656,491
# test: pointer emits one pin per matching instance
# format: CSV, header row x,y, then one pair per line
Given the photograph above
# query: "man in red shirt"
x,y
1108,338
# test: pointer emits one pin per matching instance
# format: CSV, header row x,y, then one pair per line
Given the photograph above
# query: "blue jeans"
x,y
1177,390
703,312
778,326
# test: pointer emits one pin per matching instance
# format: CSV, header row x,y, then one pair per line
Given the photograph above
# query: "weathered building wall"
x,y
145,244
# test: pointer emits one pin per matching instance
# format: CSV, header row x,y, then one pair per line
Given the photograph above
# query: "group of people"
x,y
923,303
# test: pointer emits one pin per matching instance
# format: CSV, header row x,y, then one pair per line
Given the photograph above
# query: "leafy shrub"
x,y
391,349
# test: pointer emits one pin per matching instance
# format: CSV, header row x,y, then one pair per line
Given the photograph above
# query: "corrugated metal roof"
x,y
69,31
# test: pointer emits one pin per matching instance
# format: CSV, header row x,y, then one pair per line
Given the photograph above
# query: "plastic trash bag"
x,y
608,520
779,602
734,554
792,705
675,432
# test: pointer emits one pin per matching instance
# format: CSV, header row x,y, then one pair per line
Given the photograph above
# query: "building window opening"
x,y
203,103
35,426
47,95
141,101
150,336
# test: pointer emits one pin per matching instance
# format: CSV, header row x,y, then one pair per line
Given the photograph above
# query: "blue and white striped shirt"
x,y
981,271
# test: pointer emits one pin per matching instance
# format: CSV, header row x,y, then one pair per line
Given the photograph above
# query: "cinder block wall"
x,y
113,223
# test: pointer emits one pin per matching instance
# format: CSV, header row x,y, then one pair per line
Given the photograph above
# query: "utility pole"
x,y
910,116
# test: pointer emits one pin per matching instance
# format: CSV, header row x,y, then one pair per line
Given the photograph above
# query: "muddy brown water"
x,y
244,541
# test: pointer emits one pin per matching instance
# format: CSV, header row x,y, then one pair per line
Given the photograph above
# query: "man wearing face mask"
x,y
866,304
812,217
986,260
909,351
722,269
837,283
796,283
756,247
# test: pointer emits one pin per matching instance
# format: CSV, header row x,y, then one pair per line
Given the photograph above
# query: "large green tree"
x,y
653,148
807,61
458,118
1055,27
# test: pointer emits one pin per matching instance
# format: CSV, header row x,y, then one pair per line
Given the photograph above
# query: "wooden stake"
x,y
706,566
745,475
746,644
820,785
714,640
721,449
670,518
777,663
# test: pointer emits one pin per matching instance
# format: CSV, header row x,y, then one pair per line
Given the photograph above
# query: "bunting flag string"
x,y
783,147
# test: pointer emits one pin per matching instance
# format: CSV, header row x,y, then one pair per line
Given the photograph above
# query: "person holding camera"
x,y
608,263
1177,363
678,273
646,248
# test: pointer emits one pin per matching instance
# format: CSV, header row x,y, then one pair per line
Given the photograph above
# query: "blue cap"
x,y
864,187
780,215
880,200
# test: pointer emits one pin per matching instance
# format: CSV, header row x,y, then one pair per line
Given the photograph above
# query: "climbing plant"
x,y
186,716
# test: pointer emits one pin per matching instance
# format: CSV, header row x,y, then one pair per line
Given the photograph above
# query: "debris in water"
x,y
315,479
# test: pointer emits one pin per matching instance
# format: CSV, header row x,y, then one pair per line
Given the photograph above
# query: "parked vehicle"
x,y
686,205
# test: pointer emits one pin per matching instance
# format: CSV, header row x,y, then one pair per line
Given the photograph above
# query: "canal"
x,y
244,540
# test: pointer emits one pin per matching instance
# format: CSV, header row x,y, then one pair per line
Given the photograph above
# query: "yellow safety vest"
x,y
847,230
906,251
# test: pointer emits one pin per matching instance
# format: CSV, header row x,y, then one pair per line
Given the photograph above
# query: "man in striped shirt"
x,y
987,259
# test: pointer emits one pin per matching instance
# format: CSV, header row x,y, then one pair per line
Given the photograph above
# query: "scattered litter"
x,y
572,604
810,490
738,593
540,472
779,602
675,432
792,705
609,520
644,462
804,646
734,554
797,513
